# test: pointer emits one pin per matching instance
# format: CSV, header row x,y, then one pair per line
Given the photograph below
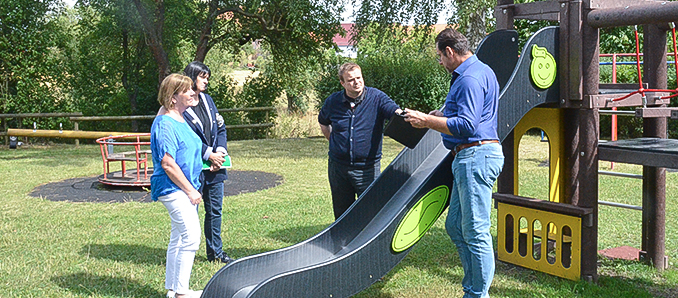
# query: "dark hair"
x,y
195,69
453,39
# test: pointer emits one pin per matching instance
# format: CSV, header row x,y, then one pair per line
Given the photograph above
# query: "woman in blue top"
x,y
176,180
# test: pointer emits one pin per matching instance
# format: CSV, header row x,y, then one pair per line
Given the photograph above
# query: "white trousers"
x,y
184,240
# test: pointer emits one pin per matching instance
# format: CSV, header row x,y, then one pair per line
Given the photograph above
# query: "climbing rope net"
x,y
642,90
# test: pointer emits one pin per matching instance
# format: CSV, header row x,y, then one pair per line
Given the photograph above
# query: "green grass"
x,y
63,249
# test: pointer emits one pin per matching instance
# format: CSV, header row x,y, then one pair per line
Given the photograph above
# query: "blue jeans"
x,y
475,170
348,181
213,196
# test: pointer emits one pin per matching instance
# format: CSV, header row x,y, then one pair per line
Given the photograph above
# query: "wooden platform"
x,y
653,152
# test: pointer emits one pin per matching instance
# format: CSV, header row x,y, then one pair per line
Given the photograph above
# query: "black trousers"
x,y
348,181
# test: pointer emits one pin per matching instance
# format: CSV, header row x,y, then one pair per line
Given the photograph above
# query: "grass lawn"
x,y
64,249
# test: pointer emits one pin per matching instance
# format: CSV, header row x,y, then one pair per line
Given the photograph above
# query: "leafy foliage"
x,y
259,91
114,70
32,45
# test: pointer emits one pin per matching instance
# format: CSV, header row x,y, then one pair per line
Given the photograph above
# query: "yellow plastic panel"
x,y
572,272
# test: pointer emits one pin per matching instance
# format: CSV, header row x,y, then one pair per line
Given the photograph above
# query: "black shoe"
x,y
225,259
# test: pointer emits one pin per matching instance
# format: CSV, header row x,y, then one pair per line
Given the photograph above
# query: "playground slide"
x,y
357,249
378,231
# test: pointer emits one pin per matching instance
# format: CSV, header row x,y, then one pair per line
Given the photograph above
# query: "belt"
x,y
473,144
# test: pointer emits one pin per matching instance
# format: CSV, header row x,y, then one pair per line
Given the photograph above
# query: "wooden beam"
x,y
659,112
543,205
601,101
652,152
39,115
70,134
639,14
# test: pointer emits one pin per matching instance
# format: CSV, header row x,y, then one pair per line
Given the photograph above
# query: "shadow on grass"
x,y
85,284
626,284
291,236
376,289
132,253
436,254
295,235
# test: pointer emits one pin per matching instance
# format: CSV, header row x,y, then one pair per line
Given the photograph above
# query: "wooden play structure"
x,y
560,236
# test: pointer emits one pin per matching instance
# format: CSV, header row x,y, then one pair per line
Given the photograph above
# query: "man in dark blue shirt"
x,y
468,125
353,121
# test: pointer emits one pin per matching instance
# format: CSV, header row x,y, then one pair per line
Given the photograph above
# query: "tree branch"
x,y
261,20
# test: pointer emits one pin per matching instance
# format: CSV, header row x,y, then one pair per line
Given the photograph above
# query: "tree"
x,y
474,17
293,28
32,43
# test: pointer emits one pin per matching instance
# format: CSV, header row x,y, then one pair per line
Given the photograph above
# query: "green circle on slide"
x,y
420,218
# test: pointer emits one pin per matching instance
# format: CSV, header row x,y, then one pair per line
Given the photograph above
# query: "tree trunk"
x,y
204,45
153,32
127,83
475,30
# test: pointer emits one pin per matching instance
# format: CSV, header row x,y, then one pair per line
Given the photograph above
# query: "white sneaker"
x,y
170,294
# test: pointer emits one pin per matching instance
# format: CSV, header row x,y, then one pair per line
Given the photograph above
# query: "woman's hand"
x,y
217,159
195,197
175,174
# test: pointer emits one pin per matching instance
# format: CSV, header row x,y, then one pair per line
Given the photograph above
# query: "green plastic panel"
x,y
420,218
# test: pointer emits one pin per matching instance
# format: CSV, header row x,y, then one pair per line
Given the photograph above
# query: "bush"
x,y
259,91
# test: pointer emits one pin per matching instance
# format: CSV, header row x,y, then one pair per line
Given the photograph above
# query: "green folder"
x,y
226,165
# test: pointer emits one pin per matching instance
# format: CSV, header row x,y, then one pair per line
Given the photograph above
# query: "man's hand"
x,y
436,113
416,119
434,120
326,130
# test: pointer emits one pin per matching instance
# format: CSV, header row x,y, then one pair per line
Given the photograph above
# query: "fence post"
x,y
4,120
75,128
21,126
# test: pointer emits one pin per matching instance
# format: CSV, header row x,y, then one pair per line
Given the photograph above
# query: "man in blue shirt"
x,y
353,121
468,125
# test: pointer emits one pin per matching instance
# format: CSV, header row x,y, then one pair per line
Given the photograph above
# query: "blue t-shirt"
x,y
471,105
357,133
179,141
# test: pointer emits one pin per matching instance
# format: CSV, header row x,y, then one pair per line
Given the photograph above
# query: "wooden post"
x,y
588,149
504,16
75,127
654,179
505,181
4,120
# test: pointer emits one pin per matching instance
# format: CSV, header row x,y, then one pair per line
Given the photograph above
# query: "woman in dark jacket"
x,y
209,126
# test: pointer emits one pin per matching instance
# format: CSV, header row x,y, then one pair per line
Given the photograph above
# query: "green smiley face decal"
x,y
420,218
542,68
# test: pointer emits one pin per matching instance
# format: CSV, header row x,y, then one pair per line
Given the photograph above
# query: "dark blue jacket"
x,y
357,134
217,142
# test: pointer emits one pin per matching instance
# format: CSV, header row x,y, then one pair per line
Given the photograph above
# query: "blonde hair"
x,y
171,85
346,67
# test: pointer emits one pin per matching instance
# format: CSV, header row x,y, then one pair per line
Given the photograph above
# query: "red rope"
x,y
675,53
642,90
640,77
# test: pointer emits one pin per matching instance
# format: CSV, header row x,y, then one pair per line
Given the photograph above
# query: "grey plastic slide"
x,y
357,249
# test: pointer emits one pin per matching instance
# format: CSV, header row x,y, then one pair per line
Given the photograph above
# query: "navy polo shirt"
x,y
471,105
357,133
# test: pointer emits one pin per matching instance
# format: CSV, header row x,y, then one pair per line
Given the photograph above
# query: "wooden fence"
x,y
76,118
